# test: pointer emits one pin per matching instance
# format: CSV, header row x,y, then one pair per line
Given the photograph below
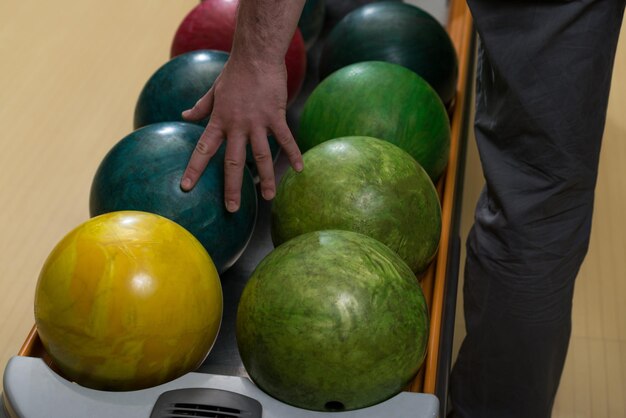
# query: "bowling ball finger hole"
x,y
334,406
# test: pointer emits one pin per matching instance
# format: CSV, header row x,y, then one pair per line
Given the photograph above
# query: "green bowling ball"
x,y
380,100
394,32
364,185
332,321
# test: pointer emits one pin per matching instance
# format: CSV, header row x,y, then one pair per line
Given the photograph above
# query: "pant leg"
x,y
542,91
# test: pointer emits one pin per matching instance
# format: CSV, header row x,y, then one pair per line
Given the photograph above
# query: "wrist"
x,y
264,30
251,58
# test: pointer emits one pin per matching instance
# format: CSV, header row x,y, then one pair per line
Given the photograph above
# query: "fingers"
x,y
201,109
207,146
265,164
288,144
234,163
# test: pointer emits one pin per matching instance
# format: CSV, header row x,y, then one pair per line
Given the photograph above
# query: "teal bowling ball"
x,y
143,172
398,33
312,21
177,85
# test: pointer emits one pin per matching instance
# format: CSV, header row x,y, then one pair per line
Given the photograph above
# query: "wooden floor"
x,y
70,73
594,379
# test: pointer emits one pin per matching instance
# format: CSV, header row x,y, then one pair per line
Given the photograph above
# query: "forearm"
x,y
264,30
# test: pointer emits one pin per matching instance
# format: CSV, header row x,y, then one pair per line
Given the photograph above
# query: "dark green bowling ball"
x,y
337,9
143,172
381,100
178,85
312,21
394,32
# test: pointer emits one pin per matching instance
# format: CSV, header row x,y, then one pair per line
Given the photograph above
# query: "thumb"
x,y
201,109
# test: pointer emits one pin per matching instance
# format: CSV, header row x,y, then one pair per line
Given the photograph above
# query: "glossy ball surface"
x,y
128,300
177,86
380,100
143,172
398,33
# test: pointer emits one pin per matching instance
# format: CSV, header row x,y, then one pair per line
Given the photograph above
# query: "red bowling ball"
x,y
211,25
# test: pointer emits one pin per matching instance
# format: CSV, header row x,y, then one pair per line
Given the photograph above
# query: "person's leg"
x,y
542,91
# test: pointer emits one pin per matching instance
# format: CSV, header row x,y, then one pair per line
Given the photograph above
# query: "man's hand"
x,y
248,100
246,103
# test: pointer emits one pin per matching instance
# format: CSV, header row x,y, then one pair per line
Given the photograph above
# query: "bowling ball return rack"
x,y
34,388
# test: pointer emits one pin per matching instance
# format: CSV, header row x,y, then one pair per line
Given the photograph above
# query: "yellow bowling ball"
x,y
128,300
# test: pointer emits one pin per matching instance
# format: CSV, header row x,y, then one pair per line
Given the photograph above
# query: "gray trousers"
x,y
543,80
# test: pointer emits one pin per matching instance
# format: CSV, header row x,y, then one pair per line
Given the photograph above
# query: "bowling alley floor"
x,y
70,73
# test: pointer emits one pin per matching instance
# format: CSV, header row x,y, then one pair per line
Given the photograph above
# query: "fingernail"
x,y
186,113
231,206
299,166
268,194
186,183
